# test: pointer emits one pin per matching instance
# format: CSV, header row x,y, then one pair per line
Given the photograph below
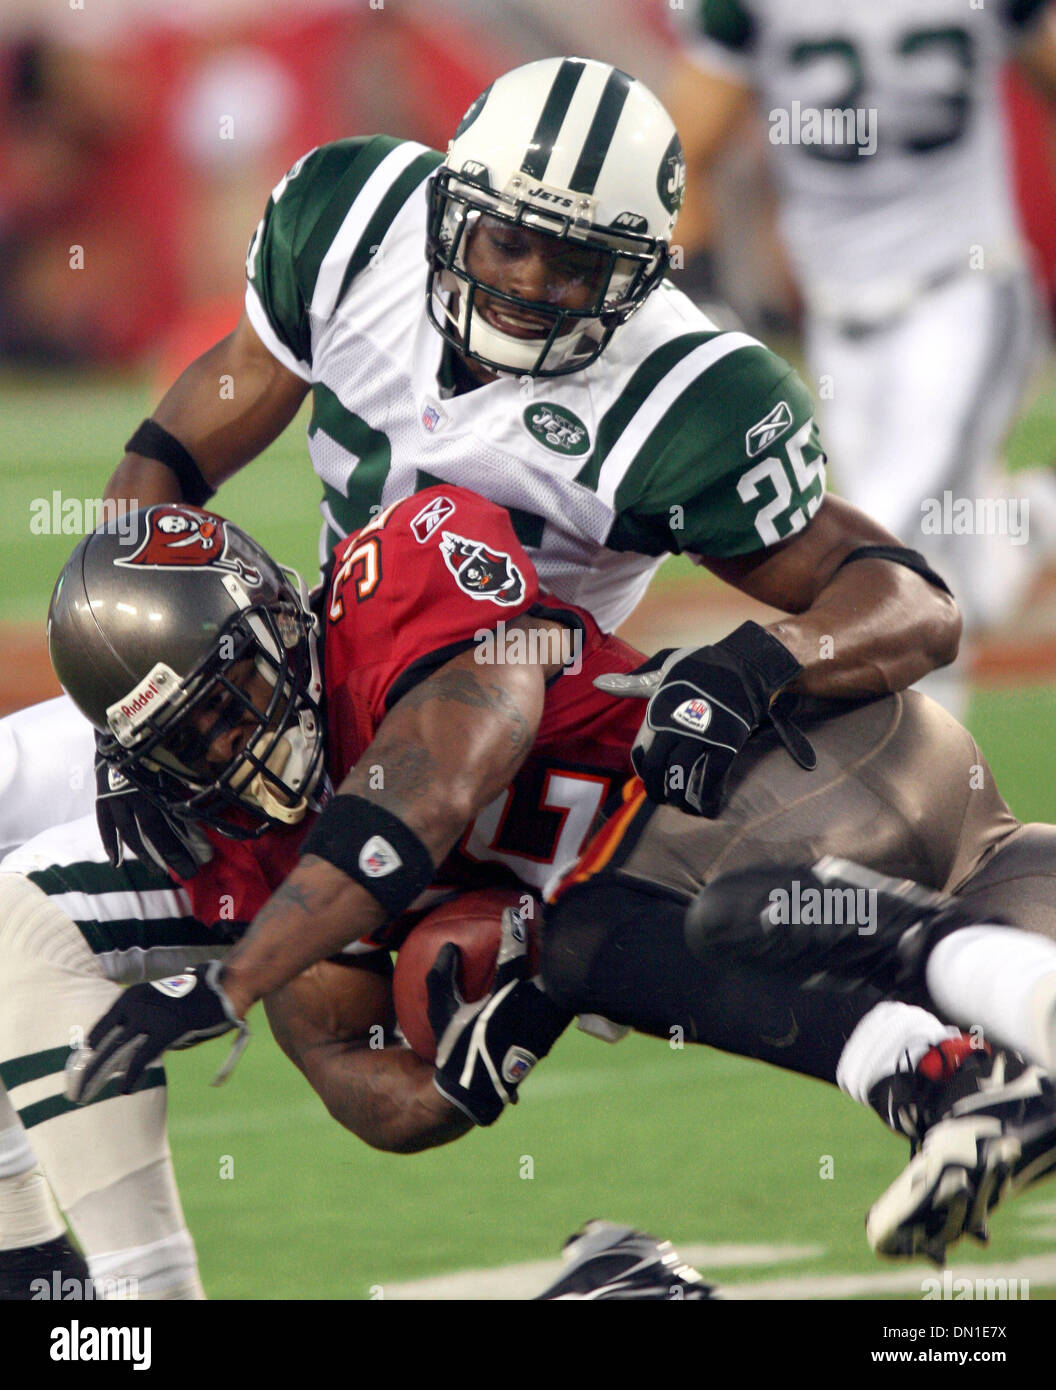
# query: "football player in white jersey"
x,y
885,137
535,354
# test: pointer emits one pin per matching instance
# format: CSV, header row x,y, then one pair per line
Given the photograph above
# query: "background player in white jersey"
x,y
886,139
568,382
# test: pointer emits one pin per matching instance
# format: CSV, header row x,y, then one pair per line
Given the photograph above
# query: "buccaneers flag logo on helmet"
x,y
480,572
183,538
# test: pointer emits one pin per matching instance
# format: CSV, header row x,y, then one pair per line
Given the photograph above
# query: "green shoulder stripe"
x,y
383,218
619,415
733,465
304,215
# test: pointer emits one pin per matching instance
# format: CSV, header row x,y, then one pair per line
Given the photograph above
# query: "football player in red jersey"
x,y
426,727
466,742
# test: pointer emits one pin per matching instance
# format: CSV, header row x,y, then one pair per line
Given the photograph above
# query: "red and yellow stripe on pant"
x,y
607,840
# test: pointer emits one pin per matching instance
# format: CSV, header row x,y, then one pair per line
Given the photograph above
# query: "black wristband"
x,y
898,555
375,848
152,441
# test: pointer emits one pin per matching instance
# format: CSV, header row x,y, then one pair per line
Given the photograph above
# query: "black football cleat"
x,y
606,1261
829,923
983,1128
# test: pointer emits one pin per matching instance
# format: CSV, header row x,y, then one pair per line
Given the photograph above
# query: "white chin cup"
x,y
290,760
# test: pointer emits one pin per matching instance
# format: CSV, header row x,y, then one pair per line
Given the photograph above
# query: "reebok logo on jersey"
x,y
769,428
481,572
693,714
430,517
378,858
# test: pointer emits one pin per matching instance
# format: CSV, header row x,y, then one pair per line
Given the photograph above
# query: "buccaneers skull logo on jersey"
x,y
481,572
180,538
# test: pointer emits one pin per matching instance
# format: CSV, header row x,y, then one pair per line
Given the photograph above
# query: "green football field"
x,y
763,1177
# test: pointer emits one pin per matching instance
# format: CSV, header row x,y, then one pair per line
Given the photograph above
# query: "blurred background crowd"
x,y
148,134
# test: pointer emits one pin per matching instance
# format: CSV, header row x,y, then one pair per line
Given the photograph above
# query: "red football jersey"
x,y
435,575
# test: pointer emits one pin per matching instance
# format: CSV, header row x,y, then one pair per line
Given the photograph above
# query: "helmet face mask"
x,y
565,149
628,268
195,656
250,690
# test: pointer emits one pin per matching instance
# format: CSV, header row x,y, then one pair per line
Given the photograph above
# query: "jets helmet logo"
x,y
181,538
481,572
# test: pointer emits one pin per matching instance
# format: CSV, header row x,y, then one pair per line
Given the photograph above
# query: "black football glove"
x,y
704,704
126,816
487,1048
151,1019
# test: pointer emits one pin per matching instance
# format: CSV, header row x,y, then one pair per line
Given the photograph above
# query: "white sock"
x,y
1001,981
165,1269
892,1037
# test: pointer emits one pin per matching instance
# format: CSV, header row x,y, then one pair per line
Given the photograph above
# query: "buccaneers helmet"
x,y
195,656
583,153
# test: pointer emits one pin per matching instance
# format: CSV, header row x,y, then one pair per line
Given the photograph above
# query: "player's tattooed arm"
x,y
221,429
331,1022
869,628
442,753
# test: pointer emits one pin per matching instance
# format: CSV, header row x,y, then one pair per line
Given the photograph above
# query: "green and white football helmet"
x,y
583,153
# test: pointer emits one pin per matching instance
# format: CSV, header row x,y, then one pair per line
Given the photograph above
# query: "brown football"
x,y
473,922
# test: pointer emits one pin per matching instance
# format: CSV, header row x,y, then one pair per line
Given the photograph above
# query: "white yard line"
x,y
523,1281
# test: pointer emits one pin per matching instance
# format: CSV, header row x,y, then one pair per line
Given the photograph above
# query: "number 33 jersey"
x,y
884,131
434,576
679,438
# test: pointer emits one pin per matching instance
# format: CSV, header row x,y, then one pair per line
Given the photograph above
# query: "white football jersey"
x,y
679,438
885,133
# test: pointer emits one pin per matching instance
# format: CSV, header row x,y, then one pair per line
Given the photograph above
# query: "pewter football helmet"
x,y
158,623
